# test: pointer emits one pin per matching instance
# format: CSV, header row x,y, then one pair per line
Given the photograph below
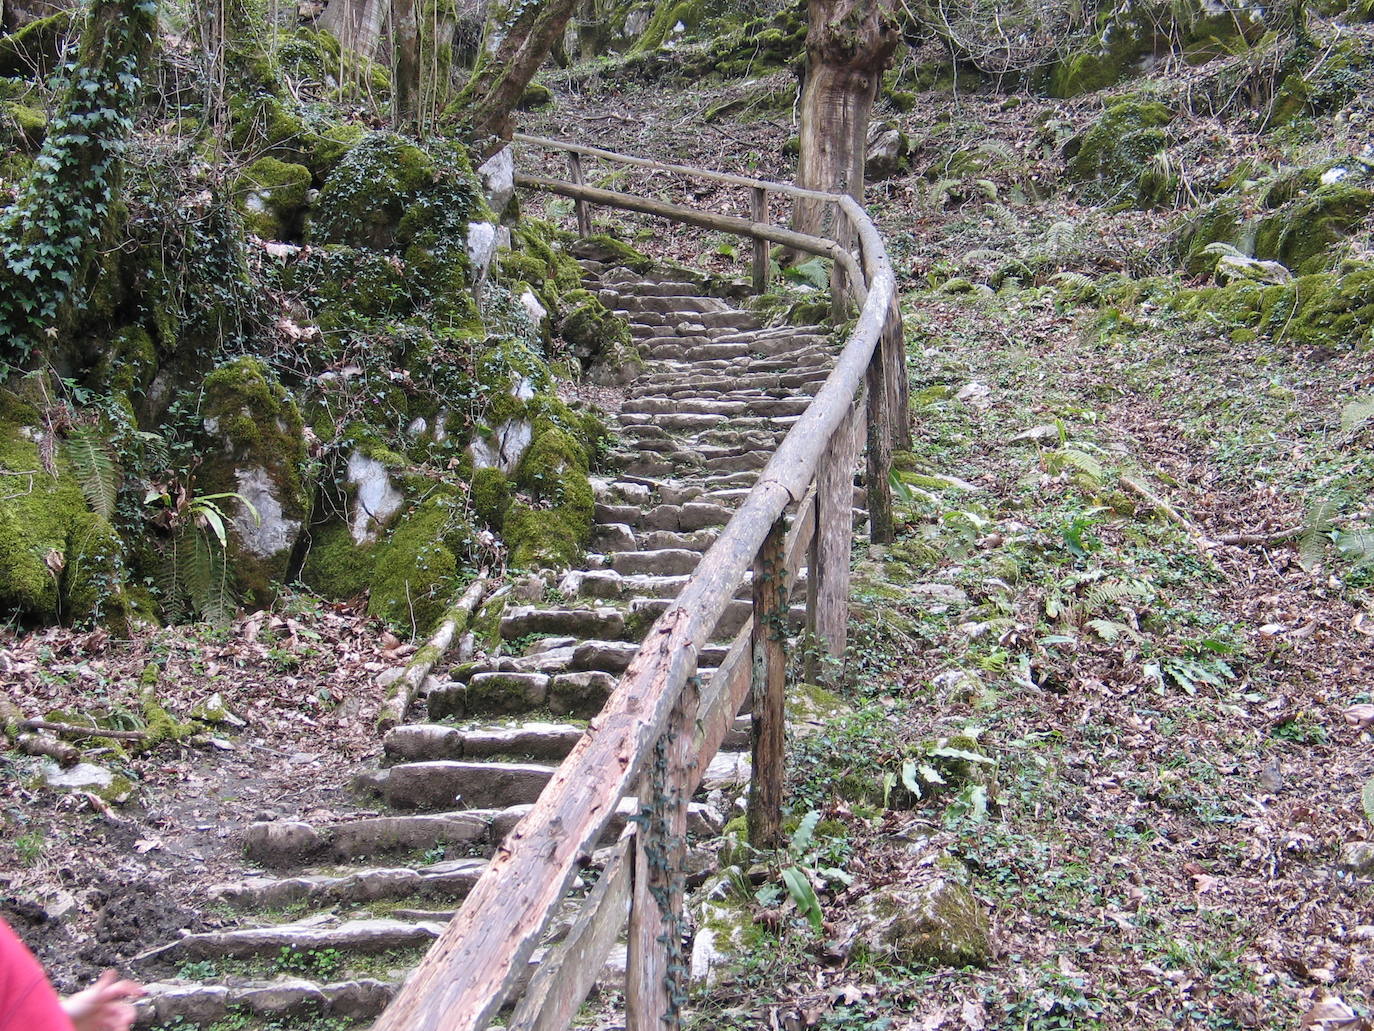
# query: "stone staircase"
x,y
337,913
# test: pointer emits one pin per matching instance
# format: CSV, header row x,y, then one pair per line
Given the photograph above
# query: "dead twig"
x,y
75,730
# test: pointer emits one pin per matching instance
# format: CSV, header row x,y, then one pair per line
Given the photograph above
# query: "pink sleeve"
x,y
27,999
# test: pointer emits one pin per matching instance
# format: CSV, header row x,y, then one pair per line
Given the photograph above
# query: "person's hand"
x,y
103,1006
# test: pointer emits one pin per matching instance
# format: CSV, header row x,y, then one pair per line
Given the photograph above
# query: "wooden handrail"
x,y
654,710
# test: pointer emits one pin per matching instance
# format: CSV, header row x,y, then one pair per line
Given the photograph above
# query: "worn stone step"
x,y
365,936
447,880
276,843
181,1003
662,562
446,783
422,741
530,619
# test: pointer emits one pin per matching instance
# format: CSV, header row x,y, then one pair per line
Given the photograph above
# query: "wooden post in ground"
x,y
834,534
769,681
656,980
584,210
893,347
878,468
758,212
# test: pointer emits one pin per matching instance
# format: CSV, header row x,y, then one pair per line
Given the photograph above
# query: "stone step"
x,y
445,783
421,741
523,620
449,880
661,562
277,843
365,936
681,305
186,1004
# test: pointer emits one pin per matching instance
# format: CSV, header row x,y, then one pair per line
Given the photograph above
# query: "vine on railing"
x,y
661,726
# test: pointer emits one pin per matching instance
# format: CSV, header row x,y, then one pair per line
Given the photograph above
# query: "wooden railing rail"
x,y
660,727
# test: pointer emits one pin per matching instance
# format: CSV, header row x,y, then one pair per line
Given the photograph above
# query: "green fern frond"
x,y
983,256
1316,534
1357,546
1110,630
1118,592
171,579
1075,458
1357,413
94,469
1222,250
207,581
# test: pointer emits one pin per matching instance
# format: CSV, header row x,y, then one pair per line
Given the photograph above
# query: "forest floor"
x,y
1152,640
1178,727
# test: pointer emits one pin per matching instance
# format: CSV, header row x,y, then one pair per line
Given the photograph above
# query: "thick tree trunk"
x,y
51,236
357,24
849,43
487,101
405,52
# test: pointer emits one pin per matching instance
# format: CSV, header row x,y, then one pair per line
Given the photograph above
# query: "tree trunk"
x,y
357,24
51,236
405,51
502,73
849,44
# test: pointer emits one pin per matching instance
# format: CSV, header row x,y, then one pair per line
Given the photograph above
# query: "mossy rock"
x,y
935,923
22,127
536,95
590,327
33,51
1113,162
271,194
1305,235
130,361
416,573
59,561
255,450
600,247
491,497
336,566
366,196
554,474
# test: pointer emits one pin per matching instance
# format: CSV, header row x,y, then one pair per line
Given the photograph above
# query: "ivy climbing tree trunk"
x,y
525,34
849,43
49,237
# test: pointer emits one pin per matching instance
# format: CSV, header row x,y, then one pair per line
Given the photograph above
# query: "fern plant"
x,y
95,469
193,576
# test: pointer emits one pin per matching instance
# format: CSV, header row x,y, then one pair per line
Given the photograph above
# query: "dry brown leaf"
x,y
1362,716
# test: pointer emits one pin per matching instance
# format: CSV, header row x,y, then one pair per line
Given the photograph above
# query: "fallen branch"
x,y
76,730
407,686
1243,539
49,747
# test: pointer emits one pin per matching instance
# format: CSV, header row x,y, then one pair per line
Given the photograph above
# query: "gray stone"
x,y
358,935
1357,858
280,841
938,922
264,529
288,995
581,694
662,562
507,693
443,783
698,516
195,1004
608,656
423,741
358,1000
498,177
551,741
887,151
81,777
403,833
374,500
599,622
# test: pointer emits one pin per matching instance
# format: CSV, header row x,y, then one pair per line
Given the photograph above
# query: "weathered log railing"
x,y
661,726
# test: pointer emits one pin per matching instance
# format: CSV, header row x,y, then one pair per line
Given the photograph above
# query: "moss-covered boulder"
x,y
22,127
59,561
1305,235
255,452
33,50
271,195
600,339
552,528
937,922
415,577
368,193
1113,162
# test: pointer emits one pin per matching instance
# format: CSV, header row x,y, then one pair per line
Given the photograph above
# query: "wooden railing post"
x,y
769,633
834,534
584,210
878,469
656,977
893,348
758,211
